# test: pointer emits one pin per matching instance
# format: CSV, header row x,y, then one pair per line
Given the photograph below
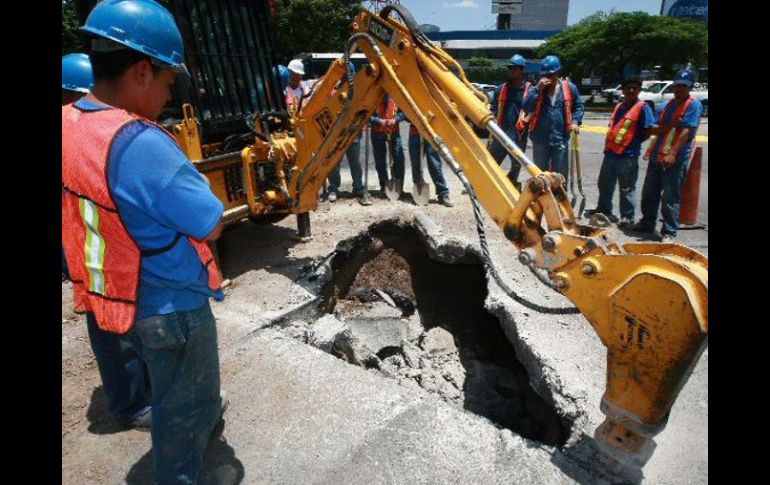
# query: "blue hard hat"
x,y
516,60
283,74
142,25
76,74
550,65
685,76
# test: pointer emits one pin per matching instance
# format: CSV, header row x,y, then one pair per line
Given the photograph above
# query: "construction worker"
x,y
120,368
297,88
669,158
507,104
630,125
384,126
356,172
136,216
556,110
435,168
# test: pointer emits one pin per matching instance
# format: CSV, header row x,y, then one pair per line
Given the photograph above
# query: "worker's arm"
x,y
648,122
689,123
528,105
580,106
495,101
216,232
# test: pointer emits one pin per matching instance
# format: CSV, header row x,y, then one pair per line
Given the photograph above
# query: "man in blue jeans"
x,y
434,166
507,104
556,110
356,173
669,158
384,125
120,368
630,125
133,196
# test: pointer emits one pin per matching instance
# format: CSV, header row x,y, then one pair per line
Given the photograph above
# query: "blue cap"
x,y
685,76
283,74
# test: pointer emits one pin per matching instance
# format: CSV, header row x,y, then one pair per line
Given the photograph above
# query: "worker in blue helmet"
x,y
507,107
283,74
158,201
555,110
630,124
121,370
669,157
353,156
76,77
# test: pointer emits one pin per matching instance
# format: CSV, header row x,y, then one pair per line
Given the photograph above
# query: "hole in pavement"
x,y
390,308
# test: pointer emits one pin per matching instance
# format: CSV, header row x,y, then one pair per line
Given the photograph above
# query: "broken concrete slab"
x,y
438,341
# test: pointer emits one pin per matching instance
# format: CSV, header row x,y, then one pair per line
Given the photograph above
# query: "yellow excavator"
x,y
647,302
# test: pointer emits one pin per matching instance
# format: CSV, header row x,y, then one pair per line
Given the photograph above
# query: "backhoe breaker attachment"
x,y
648,303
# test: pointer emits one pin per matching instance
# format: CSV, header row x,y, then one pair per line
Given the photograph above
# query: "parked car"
x,y
661,91
613,94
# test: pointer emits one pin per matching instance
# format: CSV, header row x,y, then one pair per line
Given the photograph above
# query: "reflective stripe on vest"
x,y
671,133
620,136
386,112
103,259
94,248
566,93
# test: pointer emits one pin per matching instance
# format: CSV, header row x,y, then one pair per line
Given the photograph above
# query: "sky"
x,y
477,14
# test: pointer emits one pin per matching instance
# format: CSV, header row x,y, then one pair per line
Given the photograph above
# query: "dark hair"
x,y
108,66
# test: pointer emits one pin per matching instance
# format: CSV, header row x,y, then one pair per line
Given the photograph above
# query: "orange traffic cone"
x,y
688,209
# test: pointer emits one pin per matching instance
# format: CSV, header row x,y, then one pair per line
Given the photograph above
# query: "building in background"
x,y
538,15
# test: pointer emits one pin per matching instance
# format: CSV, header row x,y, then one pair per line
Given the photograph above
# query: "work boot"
x,y
613,218
642,226
445,201
667,239
222,475
626,222
332,197
363,198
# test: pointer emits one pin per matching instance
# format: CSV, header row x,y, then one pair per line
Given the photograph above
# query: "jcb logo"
x,y
324,121
381,31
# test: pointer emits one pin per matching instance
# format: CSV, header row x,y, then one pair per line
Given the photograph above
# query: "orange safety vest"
x,y
672,133
567,93
620,136
104,260
387,113
501,100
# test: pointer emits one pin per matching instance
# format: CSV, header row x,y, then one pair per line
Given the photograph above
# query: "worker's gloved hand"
x,y
574,128
521,125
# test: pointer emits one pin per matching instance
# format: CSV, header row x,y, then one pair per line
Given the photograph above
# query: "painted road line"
x,y
603,130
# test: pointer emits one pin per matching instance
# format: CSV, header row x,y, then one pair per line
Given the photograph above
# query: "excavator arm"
x,y
647,302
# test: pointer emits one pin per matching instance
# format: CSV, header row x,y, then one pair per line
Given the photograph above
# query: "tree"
x,y
70,35
606,42
479,62
313,25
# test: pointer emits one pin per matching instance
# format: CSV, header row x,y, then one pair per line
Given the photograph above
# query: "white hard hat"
x,y
296,66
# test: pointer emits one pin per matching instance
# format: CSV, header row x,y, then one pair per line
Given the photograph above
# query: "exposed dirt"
x,y
451,345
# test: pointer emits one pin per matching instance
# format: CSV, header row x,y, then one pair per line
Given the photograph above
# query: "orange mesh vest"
x,y
387,113
104,260
673,132
504,97
567,93
620,136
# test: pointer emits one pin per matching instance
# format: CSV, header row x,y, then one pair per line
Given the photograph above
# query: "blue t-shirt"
x,y
690,119
646,120
513,104
160,194
551,128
